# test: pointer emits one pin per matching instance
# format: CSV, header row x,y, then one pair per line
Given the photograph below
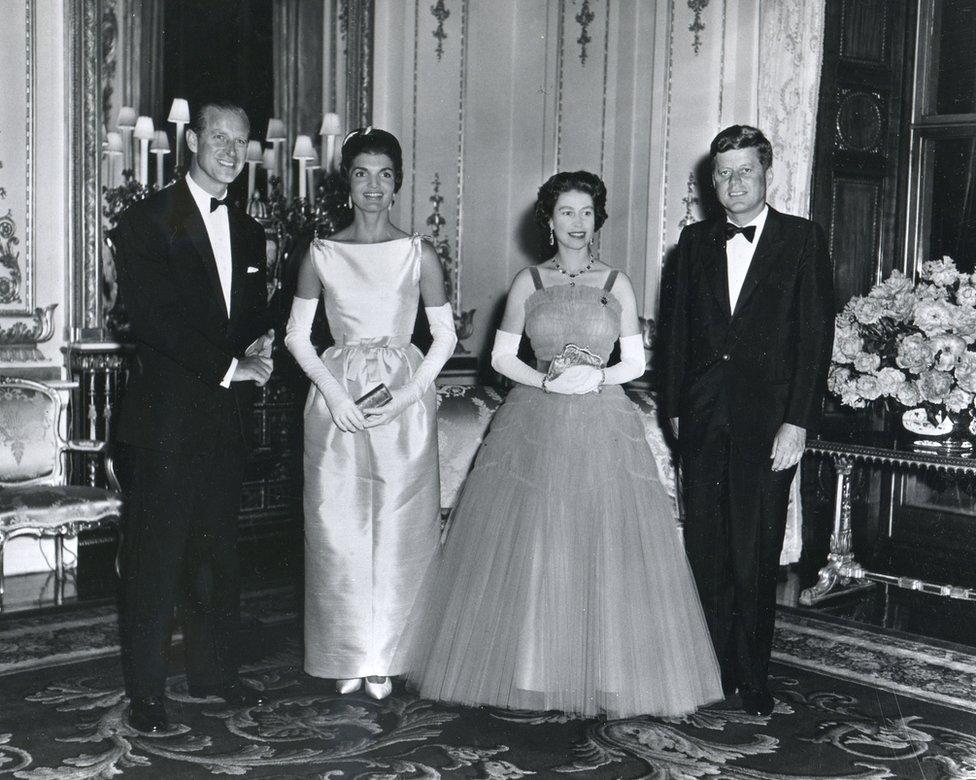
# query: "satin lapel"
x,y
191,225
763,261
239,260
718,272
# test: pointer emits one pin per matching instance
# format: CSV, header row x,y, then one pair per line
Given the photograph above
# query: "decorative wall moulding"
x,y
584,19
697,27
16,162
691,202
440,13
463,320
18,343
860,121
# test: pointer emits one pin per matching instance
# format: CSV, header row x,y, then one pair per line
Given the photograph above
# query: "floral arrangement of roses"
x,y
910,344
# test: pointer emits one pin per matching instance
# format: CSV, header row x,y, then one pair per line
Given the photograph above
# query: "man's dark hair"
x,y
372,140
198,116
743,137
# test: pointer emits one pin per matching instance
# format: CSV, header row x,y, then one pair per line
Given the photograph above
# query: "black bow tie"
x,y
216,204
749,231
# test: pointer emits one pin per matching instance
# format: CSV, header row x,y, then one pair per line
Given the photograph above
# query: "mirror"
x,y
284,58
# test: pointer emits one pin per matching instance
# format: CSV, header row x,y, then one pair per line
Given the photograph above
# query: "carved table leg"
x,y
840,561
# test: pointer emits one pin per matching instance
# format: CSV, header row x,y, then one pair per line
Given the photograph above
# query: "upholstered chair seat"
x,y
55,509
34,497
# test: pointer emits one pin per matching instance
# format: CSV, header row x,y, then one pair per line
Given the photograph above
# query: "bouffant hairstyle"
x,y
570,181
371,140
198,117
743,137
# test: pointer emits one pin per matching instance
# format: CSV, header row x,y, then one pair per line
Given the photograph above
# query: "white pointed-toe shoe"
x,y
378,687
351,685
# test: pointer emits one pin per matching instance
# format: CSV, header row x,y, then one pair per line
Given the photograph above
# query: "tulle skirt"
x,y
563,584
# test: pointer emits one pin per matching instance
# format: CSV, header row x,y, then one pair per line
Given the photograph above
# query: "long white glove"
x,y
298,339
441,321
631,366
505,360
632,361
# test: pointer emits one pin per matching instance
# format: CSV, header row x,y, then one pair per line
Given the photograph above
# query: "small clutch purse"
x,y
572,355
376,397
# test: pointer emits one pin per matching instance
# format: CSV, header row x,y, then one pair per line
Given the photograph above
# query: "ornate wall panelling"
x,y
861,150
27,305
492,98
87,92
710,73
299,48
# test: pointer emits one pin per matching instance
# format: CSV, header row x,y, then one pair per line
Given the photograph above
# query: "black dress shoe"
x,y
236,693
757,702
148,715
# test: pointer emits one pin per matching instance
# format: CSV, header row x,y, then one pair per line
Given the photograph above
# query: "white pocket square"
x,y
251,269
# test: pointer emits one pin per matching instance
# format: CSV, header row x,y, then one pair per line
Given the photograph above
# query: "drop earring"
x,y
552,236
392,201
349,201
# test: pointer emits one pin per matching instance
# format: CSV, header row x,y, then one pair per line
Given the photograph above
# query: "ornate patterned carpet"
x,y
852,704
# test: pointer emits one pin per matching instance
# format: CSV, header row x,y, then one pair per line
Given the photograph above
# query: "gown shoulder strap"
x,y
611,279
536,277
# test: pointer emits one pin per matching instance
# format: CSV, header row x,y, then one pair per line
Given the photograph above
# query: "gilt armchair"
x,y
34,499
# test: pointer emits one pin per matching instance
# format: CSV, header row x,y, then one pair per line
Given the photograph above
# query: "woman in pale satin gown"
x,y
563,583
371,494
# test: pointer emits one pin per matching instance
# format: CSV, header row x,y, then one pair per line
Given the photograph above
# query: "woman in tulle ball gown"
x,y
563,583
371,493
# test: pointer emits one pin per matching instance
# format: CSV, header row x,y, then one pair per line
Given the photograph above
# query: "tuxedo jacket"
x,y
763,364
184,338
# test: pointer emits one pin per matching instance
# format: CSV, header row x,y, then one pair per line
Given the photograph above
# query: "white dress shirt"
x,y
739,251
218,231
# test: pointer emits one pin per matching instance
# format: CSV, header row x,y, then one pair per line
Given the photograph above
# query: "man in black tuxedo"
x,y
747,340
191,270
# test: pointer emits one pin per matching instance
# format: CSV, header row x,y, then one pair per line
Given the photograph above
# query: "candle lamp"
x,y
276,137
145,133
160,148
331,129
310,168
253,159
113,151
269,162
179,115
304,151
127,123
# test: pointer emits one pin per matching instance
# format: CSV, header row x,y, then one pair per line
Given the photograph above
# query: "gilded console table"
x,y
841,566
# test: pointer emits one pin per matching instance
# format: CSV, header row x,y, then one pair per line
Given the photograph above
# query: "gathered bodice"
x,y
370,290
560,315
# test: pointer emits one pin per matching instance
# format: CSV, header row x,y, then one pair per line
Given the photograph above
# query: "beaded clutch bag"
x,y
572,355
376,397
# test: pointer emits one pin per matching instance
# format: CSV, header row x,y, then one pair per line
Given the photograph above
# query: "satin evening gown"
x,y
372,498
563,584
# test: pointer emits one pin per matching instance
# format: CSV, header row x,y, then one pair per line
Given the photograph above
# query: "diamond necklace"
x,y
564,272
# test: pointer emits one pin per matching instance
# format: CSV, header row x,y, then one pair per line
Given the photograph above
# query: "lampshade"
x,y
254,152
160,143
179,111
331,125
127,118
144,128
303,148
276,130
268,159
113,142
